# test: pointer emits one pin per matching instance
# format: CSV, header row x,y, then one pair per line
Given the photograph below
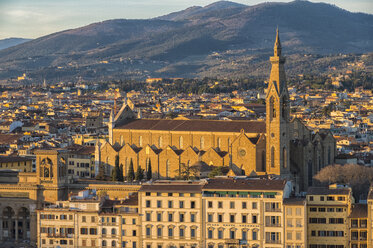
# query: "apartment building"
x,y
328,210
358,226
223,212
171,214
244,213
89,222
295,212
81,161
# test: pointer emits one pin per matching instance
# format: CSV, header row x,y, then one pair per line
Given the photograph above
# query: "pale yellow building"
x,y
21,164
358,226
295,212
327,211
243,212
171,214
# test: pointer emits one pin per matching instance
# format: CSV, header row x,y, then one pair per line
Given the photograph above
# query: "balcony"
x,y
273,210
272,241
59,235
273,225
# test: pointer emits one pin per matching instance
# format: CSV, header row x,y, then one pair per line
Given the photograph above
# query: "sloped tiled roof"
x,y
196,125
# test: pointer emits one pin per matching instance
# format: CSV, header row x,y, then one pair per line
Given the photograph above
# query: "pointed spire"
x,y
277,49
111,118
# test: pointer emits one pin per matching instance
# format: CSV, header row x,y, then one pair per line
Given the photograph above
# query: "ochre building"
x,y
281,145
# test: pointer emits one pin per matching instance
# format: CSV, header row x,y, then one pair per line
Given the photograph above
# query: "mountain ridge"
x,y
189,37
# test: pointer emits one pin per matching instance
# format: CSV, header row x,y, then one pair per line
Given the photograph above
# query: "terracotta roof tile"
x,y
244,184
327,191
359,211
196,125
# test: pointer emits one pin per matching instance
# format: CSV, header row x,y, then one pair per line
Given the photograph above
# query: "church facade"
x,y
281,145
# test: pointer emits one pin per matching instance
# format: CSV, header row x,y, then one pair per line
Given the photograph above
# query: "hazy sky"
x,y
35,18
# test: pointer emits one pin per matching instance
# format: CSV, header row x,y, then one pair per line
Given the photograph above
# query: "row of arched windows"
x,y
181,142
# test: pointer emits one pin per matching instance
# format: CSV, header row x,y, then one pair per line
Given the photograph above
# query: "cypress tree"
x,y
121,177
131,172
139,174
114,175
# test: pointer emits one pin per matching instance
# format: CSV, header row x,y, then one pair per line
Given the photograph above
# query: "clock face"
x,y
242,152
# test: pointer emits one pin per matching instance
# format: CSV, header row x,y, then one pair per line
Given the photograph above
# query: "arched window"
x,y
272,108
202,143
113,231
160,143
167,168
104,243
113,243
140,141
46,172
319,162
329,155
147,162
181,142
121,140
219,142
272,157
107,160
284,107
285,157
103,230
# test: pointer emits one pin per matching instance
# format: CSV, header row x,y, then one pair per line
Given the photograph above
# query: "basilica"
x,y
280,145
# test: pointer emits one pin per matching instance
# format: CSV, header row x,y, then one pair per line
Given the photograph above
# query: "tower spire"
x,y
277,48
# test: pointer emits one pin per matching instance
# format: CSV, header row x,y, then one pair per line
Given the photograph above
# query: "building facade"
x,y
280,145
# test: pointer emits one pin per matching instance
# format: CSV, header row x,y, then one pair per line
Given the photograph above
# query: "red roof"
x,y
196,125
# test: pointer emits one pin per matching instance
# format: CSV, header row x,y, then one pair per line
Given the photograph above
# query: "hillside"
x,y
9,42
190,43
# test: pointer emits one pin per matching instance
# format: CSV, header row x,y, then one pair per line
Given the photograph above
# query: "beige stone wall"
x,y
295,225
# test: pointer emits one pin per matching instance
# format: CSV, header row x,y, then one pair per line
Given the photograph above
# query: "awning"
x,y
221,192
255,193
270,193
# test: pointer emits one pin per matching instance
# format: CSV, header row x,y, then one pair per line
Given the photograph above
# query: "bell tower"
x,y
278,115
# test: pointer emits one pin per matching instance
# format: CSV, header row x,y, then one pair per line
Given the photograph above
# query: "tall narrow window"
x,y
229,141
160,143
167,168
202,143
284,107
121,140
285,157
181,142
272,157
263,161
329,155
140,141
272,108
219,142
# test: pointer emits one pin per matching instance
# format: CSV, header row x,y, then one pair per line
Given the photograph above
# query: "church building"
x,y
281,145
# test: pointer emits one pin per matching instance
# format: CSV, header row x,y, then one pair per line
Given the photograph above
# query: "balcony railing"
x,y
271,241
273,225
273,209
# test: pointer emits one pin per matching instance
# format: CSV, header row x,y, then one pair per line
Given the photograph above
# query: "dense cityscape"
x,y
178,162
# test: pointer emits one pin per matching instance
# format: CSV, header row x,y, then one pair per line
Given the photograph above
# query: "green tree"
x,y
149,171
101,172
131,172
115,173
187,172
217,171
357,176
139,174
121,177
